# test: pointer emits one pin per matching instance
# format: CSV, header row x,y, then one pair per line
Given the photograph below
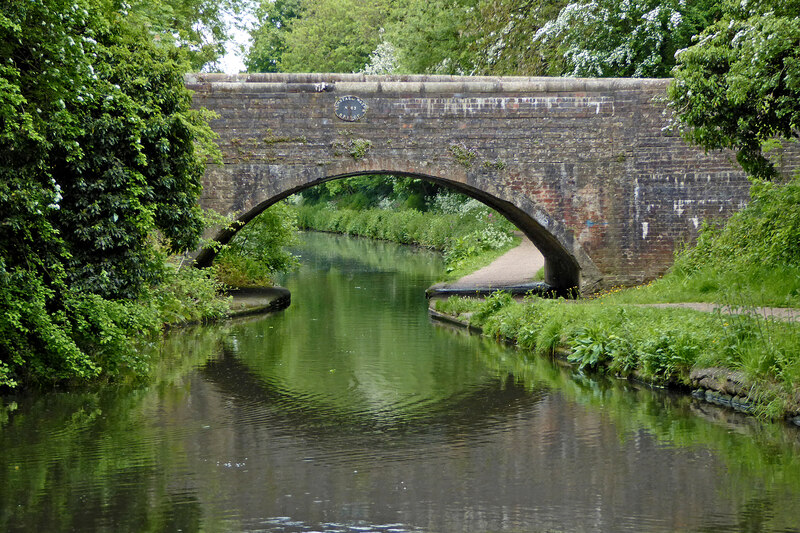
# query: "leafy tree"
x,y
334,36
382,60
431,37
738,87
258,251
274,22
198,27
502,35
98,155
606,38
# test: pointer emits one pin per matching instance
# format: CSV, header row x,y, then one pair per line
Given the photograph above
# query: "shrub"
x,y
258,250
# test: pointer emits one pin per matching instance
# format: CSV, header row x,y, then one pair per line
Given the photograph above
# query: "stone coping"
x,y
364,84
539,288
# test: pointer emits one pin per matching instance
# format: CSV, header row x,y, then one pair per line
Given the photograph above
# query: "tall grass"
x,y
754,259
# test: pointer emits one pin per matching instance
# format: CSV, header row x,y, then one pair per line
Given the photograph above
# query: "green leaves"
x,y
97,159
257,251
275,20
738,87
606,38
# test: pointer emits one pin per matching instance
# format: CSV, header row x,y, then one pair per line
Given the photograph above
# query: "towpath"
x,y
513,270
518,266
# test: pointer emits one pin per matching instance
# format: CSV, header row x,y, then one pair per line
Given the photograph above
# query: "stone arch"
x,y
588,168
566,264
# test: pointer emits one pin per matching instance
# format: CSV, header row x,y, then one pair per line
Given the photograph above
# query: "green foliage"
x,y
274,22
197,27
607,38
490,37
100,158
766,231
501,34
739,86
753,260
431,36
659,345
187,295
332,36
362,192
492,304
469,234
591,348
465,156
258,251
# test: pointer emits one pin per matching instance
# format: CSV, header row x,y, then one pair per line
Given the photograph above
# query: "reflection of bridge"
x,y
585,167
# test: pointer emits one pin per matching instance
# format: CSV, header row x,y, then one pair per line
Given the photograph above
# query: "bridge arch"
x,y
589,169
566,265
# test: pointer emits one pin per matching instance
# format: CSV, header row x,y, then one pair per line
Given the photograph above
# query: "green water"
x,y
352,411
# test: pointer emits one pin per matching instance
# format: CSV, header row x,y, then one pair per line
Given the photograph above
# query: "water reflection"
x,y
352,412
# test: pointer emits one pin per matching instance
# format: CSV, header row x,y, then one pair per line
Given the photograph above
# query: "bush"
x,y
258,250
766,232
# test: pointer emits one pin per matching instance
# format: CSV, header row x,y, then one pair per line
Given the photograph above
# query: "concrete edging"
x,y
258,300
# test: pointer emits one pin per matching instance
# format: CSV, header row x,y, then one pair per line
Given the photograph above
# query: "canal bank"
x,y
664,361
246,301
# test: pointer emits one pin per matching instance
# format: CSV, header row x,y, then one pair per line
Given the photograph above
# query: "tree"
x,y
198,27
98,160
334,36
431,38
382,60
606,38
502,35
738,87
273,23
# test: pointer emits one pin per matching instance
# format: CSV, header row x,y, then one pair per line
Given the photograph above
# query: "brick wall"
x,y
585,167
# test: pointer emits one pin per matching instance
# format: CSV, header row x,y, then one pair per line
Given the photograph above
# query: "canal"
x,y
352,411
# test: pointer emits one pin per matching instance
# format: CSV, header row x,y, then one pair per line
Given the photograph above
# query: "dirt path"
x,y
516,267
779,313
519,265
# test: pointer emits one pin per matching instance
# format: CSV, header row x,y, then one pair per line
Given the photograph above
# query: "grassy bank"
x,y
655,345
754,260
470,236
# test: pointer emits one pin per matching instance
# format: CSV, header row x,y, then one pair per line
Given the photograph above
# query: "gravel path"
x,y
517,266
780,313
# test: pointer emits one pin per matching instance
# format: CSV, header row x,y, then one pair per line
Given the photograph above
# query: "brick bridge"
x,y
587,168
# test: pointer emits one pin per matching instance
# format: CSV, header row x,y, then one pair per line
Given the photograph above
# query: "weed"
x,y
463,155
359,148
497,164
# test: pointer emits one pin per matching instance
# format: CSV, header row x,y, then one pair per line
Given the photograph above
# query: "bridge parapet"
x,y
587,168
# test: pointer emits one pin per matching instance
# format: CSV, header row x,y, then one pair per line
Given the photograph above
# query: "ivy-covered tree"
x,y
98,160
738,87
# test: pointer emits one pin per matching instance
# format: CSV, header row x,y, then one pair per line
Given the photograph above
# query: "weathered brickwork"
x,y
586,168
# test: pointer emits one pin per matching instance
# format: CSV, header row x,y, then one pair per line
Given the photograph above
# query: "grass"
x,y
656,345
751,285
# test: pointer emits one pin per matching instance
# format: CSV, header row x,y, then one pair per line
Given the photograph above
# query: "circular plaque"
x,y
350,108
